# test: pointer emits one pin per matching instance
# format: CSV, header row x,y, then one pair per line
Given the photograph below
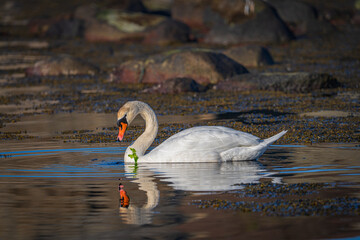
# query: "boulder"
x,y
62,65
300,17
205,14
176,85
232,22
168,32
97,31
250,55
301,82
110,25
202,66
266,27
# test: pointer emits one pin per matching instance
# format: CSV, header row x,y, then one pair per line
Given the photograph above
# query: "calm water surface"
x,y
54,191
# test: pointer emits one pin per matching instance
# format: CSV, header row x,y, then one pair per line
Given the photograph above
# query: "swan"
x,y
197,144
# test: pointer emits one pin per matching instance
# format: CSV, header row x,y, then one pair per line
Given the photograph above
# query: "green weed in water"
x,y
134,155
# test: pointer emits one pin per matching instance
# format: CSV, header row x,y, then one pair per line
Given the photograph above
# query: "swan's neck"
x,y
147,137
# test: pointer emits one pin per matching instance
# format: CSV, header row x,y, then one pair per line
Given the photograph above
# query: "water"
x,y
52,191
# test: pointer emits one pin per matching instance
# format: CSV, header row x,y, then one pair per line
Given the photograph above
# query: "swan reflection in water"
x,y
196,177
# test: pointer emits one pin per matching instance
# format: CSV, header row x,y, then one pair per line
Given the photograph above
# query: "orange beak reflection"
x,y
122,129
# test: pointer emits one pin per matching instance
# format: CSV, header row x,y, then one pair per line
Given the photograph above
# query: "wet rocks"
x,y
176,85
62,65
168,32
250,56
287,82
202,66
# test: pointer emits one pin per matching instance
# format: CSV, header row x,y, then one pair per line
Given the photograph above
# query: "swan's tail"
x,y
272,139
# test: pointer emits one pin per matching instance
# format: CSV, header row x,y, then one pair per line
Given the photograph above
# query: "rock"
x,y
160,6
250,55
66,28
97,31
294,13
232,22
205,14
202,66
129,22
168,32
176,85
115,25
287,82
265,27
62,65
300,17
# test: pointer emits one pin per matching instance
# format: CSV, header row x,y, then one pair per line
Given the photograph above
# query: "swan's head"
x,y
125,116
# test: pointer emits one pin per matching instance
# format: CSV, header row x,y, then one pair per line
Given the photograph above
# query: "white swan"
x,y
197,144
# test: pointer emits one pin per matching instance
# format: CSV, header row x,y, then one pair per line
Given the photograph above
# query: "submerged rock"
x,y
176,85
62,65
286,82
202,66
250,56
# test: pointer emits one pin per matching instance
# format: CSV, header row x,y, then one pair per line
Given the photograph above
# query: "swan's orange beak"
x,y
122,129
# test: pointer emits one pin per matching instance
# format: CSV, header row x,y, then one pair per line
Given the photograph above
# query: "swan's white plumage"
x,y
197,144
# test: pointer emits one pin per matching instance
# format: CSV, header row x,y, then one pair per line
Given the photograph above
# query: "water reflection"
x,y
141,215
124,198
196,177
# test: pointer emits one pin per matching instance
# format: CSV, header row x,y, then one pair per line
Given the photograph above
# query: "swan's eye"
x,y
121,120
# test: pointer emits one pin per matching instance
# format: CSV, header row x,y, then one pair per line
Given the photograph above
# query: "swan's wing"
x,y
208,136
204,142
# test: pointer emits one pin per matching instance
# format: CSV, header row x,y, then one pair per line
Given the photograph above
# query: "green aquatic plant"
x,y
134,155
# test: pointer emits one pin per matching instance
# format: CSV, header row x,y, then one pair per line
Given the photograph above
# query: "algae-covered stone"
x,y
62,65
129,22
202,66
110,25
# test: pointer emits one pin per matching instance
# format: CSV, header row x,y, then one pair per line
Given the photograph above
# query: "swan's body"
x,y
197,144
